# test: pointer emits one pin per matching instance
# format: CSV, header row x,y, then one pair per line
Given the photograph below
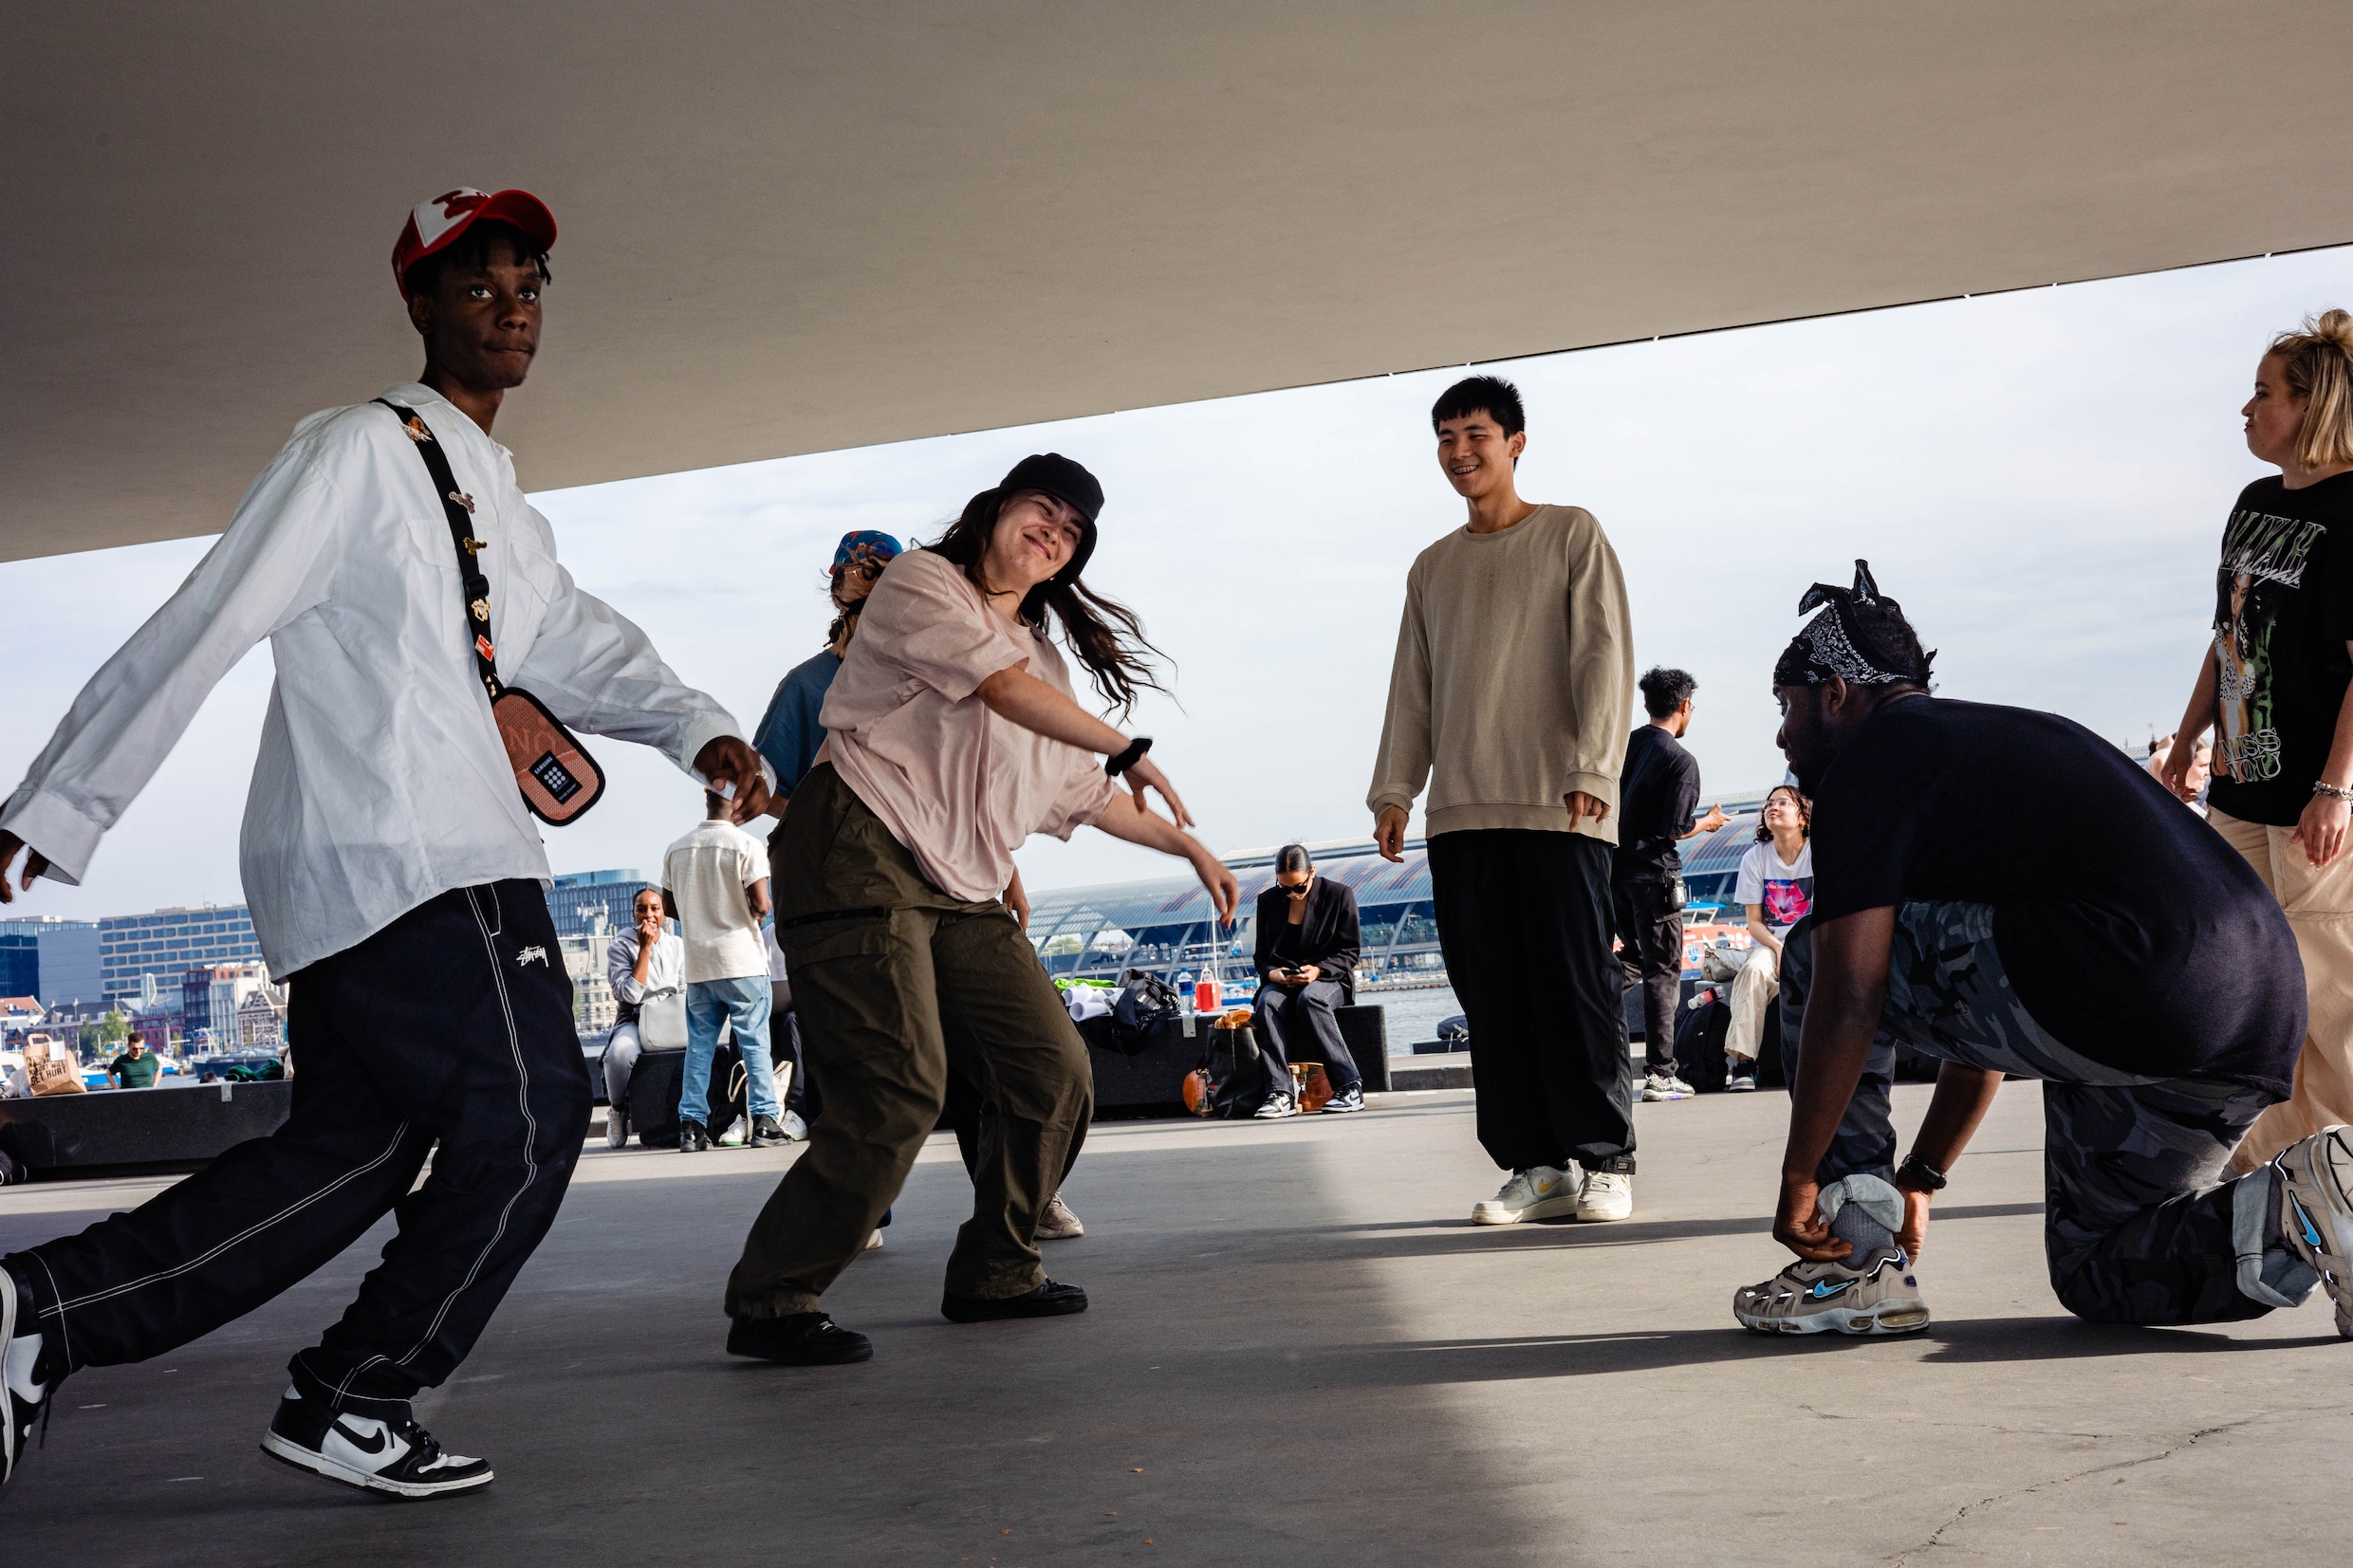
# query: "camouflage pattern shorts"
x,y
2138,1226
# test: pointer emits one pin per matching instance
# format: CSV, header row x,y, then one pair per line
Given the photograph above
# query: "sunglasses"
x,y
868,568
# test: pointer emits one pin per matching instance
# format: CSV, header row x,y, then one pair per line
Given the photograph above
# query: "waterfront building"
x,y
167,943
593,903
67,956
1165,924
20,964
213,997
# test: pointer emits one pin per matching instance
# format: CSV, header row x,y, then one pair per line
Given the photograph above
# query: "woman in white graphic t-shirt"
x,y
1777,884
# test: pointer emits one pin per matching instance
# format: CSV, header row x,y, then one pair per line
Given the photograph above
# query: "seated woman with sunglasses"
x,y
1307,949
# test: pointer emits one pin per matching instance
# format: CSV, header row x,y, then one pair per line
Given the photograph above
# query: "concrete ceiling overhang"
x,y
790,228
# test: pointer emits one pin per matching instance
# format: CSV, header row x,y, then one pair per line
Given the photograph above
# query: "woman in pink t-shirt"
x,y
953,734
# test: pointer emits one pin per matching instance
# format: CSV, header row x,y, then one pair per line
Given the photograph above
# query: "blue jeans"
x,y
743,1002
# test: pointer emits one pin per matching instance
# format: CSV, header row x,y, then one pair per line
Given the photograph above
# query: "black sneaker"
x,y
694,1137
19,1412
375,1445
767,1133
1051,1299
1350,1098
798,1340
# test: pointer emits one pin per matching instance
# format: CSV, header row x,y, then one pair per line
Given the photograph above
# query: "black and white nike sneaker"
x,y
22,1400
375,1445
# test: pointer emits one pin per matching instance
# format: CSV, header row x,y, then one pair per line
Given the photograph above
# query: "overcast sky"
x,y
2041,478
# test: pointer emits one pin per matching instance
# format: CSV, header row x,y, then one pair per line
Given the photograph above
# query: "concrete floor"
x,y
1299,1354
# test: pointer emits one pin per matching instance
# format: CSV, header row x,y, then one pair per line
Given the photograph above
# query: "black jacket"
x,y
1328,937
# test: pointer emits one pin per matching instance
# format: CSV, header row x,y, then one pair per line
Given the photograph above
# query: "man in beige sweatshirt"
x,y
1509,697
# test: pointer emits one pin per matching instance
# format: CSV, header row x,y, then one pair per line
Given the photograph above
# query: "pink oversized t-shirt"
x,y
959,786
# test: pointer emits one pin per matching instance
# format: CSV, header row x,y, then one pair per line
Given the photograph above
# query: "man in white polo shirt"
x,y
716,879
395,876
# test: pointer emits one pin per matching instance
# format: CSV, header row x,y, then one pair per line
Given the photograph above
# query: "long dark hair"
x,y
1104,634
1805,813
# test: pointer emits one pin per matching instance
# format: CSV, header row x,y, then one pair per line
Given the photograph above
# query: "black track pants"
x,y
451,1025
1523,919
1652,954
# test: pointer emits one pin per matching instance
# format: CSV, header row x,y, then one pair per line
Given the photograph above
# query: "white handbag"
x,y
661,1022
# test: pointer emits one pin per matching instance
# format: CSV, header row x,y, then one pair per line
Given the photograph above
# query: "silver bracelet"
x,y
2321,787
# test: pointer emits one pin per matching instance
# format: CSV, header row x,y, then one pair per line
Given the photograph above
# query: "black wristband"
x,y
1922,1174
1129,758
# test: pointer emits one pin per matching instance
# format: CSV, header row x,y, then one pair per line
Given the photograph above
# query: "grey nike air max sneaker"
x,y
374,1444
1882,1297
2316,1211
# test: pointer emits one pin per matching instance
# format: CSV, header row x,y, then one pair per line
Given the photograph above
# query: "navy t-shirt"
x,y
2130,930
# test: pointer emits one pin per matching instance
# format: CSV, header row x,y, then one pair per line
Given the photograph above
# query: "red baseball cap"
x,y
437,222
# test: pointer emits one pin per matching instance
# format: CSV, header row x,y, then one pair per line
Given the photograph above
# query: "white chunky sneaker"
x,y
374,1444
1540,1192
1056,1223
796,1130
1607,1196
1657,1086
2316,1211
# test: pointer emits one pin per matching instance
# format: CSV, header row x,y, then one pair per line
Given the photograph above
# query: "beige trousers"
x,y
1753,989
2319,905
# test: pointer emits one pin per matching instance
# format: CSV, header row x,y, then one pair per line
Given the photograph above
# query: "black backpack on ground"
x,y
1699,1041
1699,1032
1145,1002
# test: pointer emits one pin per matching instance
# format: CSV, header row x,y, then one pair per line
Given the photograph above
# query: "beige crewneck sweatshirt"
x,y
1514,678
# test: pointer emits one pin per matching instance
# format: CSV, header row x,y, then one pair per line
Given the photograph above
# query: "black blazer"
x,y
1328,937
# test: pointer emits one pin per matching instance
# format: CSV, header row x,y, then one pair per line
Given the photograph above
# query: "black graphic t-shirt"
x,y
2282,614
2130,930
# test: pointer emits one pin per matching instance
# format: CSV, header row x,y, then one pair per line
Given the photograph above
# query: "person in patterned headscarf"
x,y
2042,932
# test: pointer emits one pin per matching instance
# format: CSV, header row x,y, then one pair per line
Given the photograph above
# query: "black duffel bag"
x,y
1145,1002
658,1081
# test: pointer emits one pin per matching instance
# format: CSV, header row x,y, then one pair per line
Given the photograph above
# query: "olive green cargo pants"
x,y
894,980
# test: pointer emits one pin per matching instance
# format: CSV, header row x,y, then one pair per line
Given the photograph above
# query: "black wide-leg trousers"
x,y
449,1031
1524,920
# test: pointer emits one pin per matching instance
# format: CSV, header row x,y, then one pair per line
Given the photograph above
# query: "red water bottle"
x,y
1205,992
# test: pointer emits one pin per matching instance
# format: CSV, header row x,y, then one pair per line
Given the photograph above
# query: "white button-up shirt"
x,y
382,781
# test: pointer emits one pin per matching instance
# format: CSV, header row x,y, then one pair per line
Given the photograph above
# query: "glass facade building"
x,y
592,903
66,958
168,943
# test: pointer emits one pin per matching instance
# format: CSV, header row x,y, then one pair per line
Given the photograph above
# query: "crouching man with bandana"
x,y
2078,928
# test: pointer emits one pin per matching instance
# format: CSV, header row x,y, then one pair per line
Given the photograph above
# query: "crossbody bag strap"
x,y
457,507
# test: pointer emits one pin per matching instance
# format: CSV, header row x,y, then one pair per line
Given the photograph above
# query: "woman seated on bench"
x,y
644,963
1306,951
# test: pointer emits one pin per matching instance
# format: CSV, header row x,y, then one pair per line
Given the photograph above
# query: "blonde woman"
x,y
2277,684
1776,883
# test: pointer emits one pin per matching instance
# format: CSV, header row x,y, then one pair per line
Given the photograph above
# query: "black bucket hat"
x,y
1067,481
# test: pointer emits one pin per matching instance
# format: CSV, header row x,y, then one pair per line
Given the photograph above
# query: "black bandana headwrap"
x,y
1858,636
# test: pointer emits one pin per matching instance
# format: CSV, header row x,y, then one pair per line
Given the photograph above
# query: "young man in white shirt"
x,y
715,878
394,877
